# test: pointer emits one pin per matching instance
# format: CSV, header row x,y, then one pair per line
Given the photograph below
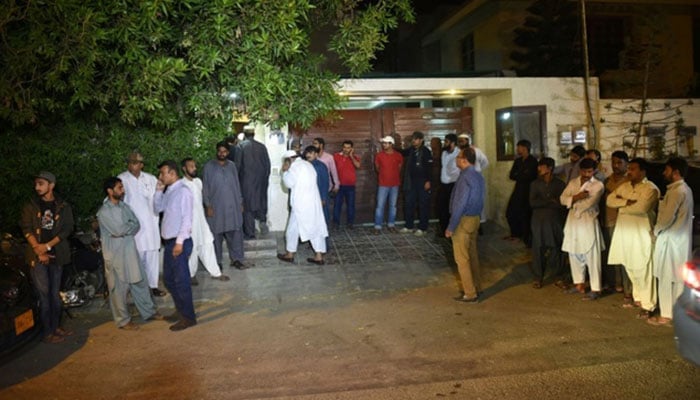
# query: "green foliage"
x,y
85,82
549,40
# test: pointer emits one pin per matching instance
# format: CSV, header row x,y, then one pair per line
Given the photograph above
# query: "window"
x,y
606,39
514,124
467,46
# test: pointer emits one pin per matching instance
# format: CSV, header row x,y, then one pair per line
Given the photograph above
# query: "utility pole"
x,y
586,74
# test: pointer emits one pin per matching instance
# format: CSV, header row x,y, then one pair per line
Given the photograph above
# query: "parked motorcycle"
x,y
83,279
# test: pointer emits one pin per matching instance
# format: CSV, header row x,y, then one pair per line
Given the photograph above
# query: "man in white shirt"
x,y
448,176
202,238
140,188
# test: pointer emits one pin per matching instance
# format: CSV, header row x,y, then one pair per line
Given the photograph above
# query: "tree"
x,y
162,62
548,41
83,83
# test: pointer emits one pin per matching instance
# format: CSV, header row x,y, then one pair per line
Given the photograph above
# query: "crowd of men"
x,y
616,230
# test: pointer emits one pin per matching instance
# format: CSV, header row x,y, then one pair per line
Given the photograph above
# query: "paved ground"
x,y
377,322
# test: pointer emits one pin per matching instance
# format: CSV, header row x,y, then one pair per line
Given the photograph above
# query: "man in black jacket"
x,y
47,222
416,184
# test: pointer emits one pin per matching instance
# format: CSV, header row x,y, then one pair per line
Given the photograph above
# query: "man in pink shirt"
x,y
346,162
388,165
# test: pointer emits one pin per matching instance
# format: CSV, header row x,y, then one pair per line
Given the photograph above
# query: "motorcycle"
x,y
84,278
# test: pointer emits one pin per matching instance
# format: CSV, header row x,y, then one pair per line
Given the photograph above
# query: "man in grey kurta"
x,y
123,268
548,217
221,193
254,177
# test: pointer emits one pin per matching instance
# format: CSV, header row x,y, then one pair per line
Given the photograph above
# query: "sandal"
x,y
644,314
561,284
63,332
537,284
591,296
53,339
627,302
659,321
284,258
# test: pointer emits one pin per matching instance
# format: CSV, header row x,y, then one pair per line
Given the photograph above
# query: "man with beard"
x,y
47,222
306,221
464,140
221,194
569,171
632,244
140,188
547,223
254,176
416,184
202,239
583,239
346,163
518,212
448,176
673,231
176,230
123,269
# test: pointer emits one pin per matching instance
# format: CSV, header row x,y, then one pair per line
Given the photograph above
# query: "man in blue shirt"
x,y
176,231
322,177
466,203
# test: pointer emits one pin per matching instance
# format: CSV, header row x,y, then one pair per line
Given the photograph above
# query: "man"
x,y
254,176
346,162
123,269
632,244
387,163
547,223
465,209
47,222
322,181
327,159
202,238
416,186
176,228
616,274
234,150
221,194
140,188
306,221
583,239
570,170
518,212
595,155
448,176
465,140
673,231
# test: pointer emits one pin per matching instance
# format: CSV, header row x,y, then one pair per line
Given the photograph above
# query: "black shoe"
x,y
315,261
174,317
182,324
465,299
239,265
158,293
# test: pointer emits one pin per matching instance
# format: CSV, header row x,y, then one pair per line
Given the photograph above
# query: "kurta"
x,y
118,225
305,200
547,213
518,211
139,193
254,175
201,234
582,230
631,244
221,190
673,230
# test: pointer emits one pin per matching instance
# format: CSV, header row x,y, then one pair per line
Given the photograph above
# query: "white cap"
x,y
463,135
290,154
388,139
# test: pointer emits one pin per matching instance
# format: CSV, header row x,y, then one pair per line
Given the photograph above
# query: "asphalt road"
x,y
363,329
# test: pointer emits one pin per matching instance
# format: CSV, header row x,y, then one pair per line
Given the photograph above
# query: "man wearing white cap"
x,y
306,219
388,164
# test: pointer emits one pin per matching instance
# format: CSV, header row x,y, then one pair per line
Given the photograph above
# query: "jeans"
x,y
176,275
417,194
383,193
47,282
347,194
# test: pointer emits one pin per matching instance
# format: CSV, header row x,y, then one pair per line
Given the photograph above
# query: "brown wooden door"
x,y
366,127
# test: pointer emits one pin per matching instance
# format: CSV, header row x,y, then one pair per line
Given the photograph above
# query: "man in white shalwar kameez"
x,y
631,244
140,190
306,219
202,238
583,239
673,231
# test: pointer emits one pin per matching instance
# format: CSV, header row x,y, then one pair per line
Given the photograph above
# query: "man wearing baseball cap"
x,y
388,164
47,222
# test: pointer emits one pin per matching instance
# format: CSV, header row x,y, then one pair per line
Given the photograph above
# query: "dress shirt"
x,y
176,206
467,196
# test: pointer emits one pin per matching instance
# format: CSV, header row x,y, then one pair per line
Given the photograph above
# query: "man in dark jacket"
x,y
254,176
416,184
518,213
47,222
